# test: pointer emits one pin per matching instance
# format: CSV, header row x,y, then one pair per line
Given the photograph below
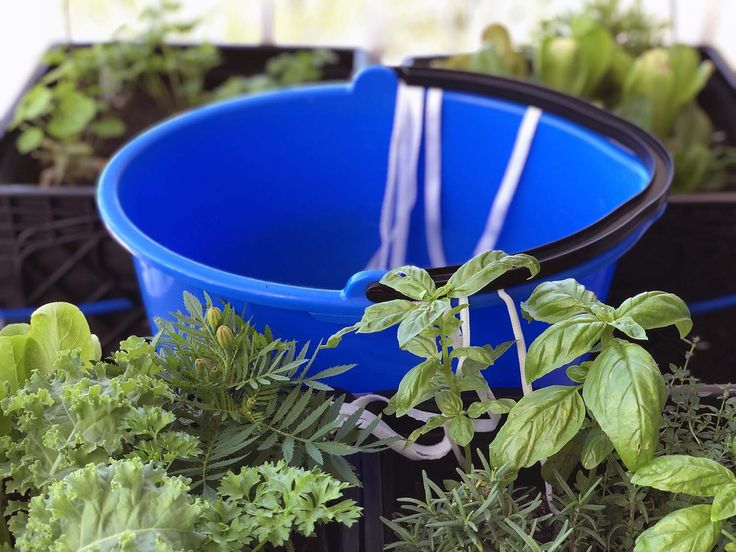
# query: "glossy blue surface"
x,y
273,202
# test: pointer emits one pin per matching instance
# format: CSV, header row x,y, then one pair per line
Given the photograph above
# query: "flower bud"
x,y
225,337
200,365
213,317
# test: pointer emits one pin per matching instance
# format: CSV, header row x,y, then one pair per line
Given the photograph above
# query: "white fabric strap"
x,y
380,259
413,451
407,175
507,189
401,178
398,202
433,177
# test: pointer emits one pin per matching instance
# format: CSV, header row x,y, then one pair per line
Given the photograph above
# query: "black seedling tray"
x,y
691,249
53,245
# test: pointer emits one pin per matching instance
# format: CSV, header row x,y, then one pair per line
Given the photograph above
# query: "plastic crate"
x,y
691,251
53,245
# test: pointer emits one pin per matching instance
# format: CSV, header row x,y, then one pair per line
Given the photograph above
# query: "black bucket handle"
x,y
559,255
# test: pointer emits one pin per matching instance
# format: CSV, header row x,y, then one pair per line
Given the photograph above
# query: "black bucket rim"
x,y
585,244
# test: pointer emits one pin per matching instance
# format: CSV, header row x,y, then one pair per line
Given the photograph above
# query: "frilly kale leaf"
x,y
131,506
124,506
81,414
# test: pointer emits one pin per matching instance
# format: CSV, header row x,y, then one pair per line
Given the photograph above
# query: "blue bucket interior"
x,y
287,187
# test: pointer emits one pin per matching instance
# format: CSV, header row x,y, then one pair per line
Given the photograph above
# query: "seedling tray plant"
x,y
55,139
226,440
613,58
692,246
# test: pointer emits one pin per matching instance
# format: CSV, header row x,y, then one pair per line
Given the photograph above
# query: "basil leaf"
x,y
578,372
379,316
553,302
480,271
414,385
449,403
461,430
724,503
596,448
491,406
413,282
538,426
485,355
423,345
421,318
625,392
630,327
657,309
686,530
433,423
562,343
679,473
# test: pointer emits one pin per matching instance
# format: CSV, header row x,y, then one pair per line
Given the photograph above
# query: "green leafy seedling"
x,y
428,320
622,386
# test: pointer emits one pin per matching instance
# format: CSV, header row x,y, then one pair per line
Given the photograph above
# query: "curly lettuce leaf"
x,y
83,414
124,506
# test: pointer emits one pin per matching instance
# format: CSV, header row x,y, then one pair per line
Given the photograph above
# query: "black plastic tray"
x,y
691,249
53,245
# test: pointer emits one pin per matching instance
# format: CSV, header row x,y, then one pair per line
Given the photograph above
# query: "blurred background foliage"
x,y
391,29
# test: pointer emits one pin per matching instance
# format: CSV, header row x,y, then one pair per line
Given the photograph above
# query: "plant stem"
x,y
465,332
525,387
446,362
468,459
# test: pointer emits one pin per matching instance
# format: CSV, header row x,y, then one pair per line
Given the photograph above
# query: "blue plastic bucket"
x,y
273,202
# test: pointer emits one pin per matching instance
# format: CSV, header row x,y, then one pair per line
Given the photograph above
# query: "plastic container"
x,y
697,232
273,203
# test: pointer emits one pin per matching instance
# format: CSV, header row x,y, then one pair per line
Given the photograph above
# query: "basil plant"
x,y
621,389
428,322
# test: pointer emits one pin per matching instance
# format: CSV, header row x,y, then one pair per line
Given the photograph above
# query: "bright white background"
x,y
390,28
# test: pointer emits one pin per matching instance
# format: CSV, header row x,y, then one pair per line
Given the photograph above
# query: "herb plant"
x,y
92,97
596,508
94,452
248,398
601,442
697,528
428,323
614,58
622,388
477,513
